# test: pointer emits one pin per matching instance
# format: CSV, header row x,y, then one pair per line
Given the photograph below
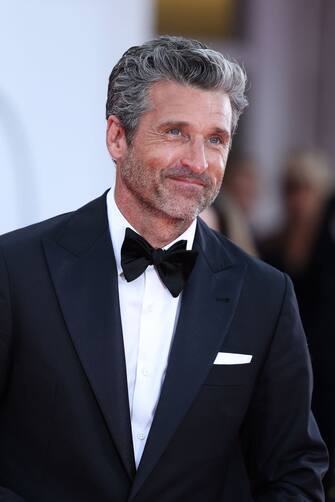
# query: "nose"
x,y
195,156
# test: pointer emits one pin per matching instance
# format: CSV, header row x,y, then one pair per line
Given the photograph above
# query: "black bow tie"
x,y
173,265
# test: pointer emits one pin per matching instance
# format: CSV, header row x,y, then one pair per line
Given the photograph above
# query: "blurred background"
x,y
277,200
56,57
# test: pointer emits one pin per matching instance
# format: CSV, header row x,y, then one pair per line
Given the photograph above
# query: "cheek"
x,y
150,159
166,157
216,167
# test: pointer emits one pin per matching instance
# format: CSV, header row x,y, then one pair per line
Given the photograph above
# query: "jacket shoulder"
x,y
54,227
264,276
34,232
234,253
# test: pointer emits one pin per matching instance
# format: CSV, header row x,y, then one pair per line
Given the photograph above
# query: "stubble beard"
x,y
158,196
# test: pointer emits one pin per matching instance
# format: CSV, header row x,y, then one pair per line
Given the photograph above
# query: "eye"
x,y
175,131
215,140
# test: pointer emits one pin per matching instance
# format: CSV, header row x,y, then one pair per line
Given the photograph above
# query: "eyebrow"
x,y
223,132
173,123
181,123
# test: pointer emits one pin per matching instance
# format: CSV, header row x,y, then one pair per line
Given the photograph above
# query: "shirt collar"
x,y
118,224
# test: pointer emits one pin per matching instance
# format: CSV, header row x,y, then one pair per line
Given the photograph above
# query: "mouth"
x,y
188,182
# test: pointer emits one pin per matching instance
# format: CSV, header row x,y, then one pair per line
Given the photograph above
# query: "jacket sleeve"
x,y
5,354
285,455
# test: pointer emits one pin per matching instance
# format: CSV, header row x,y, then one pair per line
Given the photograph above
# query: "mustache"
x,y
185,172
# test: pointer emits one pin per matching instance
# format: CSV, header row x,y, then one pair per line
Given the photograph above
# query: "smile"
x,y
187,181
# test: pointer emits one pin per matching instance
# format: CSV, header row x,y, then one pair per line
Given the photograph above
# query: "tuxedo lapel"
x,y
82,265
208,304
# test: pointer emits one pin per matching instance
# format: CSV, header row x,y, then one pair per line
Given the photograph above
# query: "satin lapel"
x,y
83,270
208,305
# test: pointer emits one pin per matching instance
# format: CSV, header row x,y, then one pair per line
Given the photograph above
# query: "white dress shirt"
x,y
149,315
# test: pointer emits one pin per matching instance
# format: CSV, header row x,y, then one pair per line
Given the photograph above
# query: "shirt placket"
x,y
143,401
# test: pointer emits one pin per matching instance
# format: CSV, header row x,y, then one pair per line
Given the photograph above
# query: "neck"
x,y
156,227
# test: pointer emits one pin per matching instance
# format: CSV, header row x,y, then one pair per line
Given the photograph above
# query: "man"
x,y
133,373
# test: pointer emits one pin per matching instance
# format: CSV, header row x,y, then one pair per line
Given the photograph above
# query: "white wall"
x,y
55,59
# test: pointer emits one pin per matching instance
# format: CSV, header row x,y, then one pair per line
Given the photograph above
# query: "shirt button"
x,y
141,436
145,372
150,308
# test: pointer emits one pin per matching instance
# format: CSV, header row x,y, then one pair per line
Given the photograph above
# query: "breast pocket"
x,y
232,375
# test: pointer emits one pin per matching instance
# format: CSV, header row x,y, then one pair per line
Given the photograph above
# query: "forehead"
x,y
172,101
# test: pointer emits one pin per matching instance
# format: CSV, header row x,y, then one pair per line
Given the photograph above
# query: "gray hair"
x,y
176,59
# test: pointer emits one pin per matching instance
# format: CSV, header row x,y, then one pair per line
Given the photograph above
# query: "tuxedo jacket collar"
x,y
82,267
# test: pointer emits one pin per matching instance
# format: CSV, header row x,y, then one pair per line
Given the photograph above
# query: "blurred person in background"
x,y
305,248
225,217
241,183
306,186
230,212
144,357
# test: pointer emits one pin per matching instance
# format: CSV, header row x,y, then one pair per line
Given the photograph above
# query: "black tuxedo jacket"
x,y
229,433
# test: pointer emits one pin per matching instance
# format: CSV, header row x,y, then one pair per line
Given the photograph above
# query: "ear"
x,y
115,138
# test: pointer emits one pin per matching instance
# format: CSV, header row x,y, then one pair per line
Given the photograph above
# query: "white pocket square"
x,y
231,358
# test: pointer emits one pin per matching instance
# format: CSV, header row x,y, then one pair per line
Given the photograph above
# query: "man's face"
x,y
176,161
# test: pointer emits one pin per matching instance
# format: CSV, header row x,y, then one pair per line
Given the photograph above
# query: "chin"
x,y
185,212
